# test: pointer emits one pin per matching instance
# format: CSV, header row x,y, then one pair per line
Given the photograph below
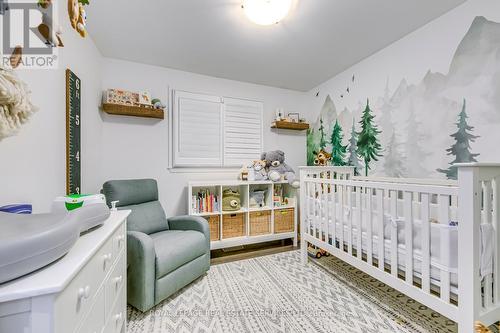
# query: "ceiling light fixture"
x,y
266,12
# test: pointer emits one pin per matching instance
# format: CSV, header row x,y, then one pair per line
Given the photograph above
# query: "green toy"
x,y
231,200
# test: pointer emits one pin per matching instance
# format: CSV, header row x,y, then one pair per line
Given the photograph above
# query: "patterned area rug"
x,y
277,294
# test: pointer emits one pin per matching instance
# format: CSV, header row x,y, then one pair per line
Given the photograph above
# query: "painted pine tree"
x,y
338,149
353,158
312,145
461,148
322,140
393,163
413,147
369,147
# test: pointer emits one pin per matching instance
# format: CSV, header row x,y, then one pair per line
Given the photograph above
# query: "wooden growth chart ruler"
x,y
73,133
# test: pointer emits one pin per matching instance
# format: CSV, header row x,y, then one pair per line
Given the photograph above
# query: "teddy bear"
x,y
77,16
257,171
277,169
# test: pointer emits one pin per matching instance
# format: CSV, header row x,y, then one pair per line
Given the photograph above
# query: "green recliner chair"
x,y
163,255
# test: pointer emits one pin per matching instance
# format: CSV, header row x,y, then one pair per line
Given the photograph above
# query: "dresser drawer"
x,y
116,321
119,238
76,300
95,320
114,283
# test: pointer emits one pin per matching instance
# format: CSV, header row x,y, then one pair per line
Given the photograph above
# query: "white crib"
x,y
435,241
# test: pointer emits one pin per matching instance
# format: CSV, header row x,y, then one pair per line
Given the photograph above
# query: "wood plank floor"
x,y
250,251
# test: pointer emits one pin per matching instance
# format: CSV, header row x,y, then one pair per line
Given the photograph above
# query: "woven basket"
x,y
284,220
233,225
260,223
213,222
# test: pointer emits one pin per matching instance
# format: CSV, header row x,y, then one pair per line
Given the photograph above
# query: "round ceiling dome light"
x,y
266,12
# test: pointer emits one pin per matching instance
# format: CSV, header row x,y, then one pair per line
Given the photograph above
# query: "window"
x,y
212,131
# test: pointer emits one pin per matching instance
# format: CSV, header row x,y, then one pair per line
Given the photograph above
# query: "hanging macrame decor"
x,y
15,103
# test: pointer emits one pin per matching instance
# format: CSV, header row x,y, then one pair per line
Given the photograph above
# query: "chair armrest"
x,y
141,270
187,222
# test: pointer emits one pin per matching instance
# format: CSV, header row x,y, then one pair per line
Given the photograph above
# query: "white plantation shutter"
x,y
210,132
197,130
242,131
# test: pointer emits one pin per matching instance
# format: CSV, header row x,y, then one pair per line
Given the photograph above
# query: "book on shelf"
x,y
205,201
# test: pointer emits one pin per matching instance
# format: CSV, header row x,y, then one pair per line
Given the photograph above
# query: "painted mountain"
x,y
417,120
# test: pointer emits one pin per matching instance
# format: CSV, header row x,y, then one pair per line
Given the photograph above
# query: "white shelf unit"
x,y
244,187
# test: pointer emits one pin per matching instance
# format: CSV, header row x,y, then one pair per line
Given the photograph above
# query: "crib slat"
x,y
380,208
326,221
369,238
359,224
349,219
322,208
496,238
407,197
444,202
488,290
308,208
426,241
393,197
334,213
341,217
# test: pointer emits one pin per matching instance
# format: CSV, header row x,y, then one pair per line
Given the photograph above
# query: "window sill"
x,y
203,170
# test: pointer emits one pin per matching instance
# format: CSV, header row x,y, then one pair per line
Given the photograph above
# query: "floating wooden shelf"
x,y
134,111
290,125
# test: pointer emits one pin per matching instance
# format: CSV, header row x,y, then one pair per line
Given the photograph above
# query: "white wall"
x,y
436,101
32,163
138,147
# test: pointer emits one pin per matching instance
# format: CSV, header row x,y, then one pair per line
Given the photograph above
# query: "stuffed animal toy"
x,y
322,158
480,328
243,173
231,200
157,104
51,31
257,198
15,103
77,17
257,171
73,12
277,169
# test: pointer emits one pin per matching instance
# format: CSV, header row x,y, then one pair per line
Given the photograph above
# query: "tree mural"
x,y
312,146
338,150
369,147
353,159
322,141
393,163
415,155
461,148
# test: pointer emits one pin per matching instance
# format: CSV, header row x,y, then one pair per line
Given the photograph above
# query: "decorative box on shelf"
x,y
253,221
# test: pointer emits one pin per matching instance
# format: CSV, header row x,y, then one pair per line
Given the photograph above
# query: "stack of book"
x,y
205,202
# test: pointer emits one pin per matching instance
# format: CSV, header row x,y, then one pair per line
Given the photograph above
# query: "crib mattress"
x,y
436,265
30,242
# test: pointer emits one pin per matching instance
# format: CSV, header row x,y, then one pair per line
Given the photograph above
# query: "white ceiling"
x,y
319,39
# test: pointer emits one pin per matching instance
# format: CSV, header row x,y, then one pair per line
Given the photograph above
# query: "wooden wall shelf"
x,y
134,111
290,125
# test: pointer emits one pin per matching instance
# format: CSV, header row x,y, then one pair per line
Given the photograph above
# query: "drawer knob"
x,y
106,257
118,318
118,280
120,239
84,292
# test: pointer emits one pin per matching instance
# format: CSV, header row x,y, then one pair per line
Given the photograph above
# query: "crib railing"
x,y
407,233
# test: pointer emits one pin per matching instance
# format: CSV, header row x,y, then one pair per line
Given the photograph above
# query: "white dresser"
x,y
83,292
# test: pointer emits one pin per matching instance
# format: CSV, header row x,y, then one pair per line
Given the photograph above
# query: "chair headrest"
x,y
130,191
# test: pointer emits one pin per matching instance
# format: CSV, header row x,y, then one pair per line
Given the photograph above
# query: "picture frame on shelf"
x,y
294,117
